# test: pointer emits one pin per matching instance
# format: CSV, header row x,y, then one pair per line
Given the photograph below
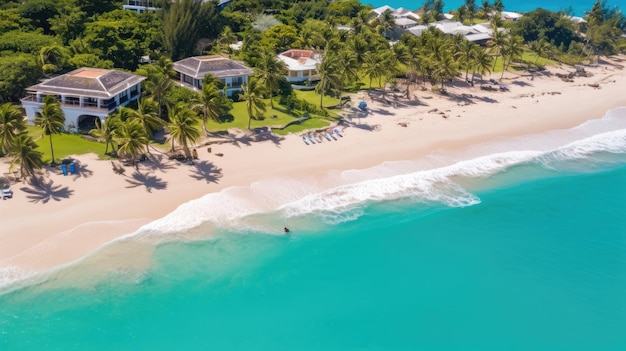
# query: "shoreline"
x,y
78,214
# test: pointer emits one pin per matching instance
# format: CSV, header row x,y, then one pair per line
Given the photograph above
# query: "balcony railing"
x,y
75,103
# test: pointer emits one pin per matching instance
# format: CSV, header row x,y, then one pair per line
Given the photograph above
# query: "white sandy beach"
x,y
76,214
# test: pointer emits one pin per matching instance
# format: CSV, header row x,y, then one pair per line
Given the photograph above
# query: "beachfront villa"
x,y
192,71
85,94
300,65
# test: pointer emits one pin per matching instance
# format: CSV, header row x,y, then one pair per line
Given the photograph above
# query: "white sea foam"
x,y
10,274
608,142
434,180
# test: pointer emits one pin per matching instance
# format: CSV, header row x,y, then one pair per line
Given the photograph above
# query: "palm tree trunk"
x,y
204,129
321,98
51,148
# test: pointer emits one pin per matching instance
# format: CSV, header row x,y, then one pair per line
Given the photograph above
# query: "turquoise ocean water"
x,y
516,244
578,6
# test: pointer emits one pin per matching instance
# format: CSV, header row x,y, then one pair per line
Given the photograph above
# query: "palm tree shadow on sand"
x,y
82,170
42,190
138,179
206,171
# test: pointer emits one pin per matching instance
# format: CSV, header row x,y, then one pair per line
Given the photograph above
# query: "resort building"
x,y
85,94
300,65
192,71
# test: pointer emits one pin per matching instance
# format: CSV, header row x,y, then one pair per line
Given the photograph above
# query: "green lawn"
x,y
70,144
278,116
64,145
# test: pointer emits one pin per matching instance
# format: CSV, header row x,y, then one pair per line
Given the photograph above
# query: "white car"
x,y
7,193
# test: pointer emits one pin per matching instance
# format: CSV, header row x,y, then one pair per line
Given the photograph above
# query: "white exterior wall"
x,y
73,112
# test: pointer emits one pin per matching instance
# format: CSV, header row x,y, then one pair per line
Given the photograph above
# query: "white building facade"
x,y
300,65
233,74
85,94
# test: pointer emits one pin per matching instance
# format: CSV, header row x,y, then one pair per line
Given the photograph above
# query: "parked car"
x,y
7,193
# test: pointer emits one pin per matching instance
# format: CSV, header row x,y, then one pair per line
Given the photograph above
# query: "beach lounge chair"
x,y
73,168
64,168
311,138
336,131
305,140
327,136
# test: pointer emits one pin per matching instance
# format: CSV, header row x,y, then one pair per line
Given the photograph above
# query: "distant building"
x,y
403,18
512,16
576,19
478,33
140,6
192,71
85,94
300,65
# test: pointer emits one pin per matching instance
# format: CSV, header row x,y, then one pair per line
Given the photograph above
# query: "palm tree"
x,y
466,55
514,48
269,71
386,22
485,8
482,62
51,119
373,65
105,131
182,127
11,124
541,48
226,38
146,114
328,72
130,136
497,43
25,155
390,68
53,58
446,69
348,67
210,103
252,97
158,81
